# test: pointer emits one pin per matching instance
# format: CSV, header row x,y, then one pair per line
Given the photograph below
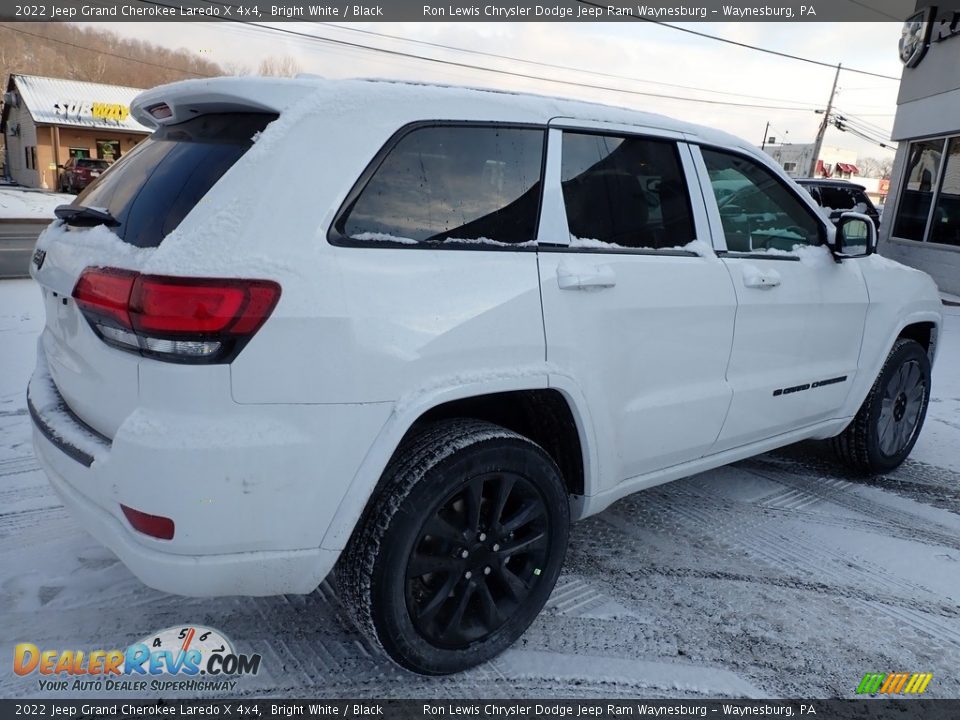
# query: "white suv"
x,y
415,331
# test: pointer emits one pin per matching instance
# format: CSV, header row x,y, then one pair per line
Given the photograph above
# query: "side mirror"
x,y
856,236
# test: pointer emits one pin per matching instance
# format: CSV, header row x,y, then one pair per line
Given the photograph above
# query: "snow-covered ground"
x,y
29,204
777,576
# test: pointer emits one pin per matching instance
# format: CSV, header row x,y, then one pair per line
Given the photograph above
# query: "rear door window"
x,y
161,180
624,192
450,184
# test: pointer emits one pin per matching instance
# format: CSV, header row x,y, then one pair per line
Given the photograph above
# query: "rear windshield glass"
x,y
93,164
154,186
839,198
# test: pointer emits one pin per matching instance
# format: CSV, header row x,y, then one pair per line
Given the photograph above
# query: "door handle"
x,y
753,277
595,278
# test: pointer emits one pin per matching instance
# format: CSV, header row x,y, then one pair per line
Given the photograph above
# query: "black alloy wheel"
x,y
478,557
459,548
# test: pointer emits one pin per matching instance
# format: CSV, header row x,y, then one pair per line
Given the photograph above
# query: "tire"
x,y
403,576
888,423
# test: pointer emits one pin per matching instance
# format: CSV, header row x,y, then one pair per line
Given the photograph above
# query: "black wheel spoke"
x,y
473,498
452,629
438,599
504,486
527,513
439,528
533,542
488,606
514,585
422,564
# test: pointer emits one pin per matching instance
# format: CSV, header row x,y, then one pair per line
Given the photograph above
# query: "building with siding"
x,y
921,221
46,121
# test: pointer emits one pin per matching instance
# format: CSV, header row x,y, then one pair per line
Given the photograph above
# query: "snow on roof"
x,y
73,103
429,101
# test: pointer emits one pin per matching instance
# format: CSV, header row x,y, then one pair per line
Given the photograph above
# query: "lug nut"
x,y
486,571
496,547
465,554
468,574
483,536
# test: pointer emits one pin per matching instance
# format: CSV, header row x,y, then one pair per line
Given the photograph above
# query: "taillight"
x,y
174,318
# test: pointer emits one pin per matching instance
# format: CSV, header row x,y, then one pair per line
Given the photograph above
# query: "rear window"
x,y
451,184
154,186
93,164
839,198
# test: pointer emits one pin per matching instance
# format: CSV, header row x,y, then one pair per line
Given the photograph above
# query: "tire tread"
x,y
416,456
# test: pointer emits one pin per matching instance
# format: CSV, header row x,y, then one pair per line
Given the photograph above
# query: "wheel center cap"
x,y
900,407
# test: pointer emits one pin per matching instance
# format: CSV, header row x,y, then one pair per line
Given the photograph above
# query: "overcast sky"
x,y
648,54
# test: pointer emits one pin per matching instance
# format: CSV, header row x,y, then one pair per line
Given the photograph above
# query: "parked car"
x,y
410,333
77,173
840,196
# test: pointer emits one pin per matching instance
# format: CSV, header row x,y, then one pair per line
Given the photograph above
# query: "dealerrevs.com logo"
x,y
186,657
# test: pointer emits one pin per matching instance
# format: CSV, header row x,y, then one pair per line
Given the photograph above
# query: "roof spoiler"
x,y
178,102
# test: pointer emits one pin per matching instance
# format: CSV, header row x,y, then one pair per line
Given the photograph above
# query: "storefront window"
x,y
108,149
79,152
945,225
920,178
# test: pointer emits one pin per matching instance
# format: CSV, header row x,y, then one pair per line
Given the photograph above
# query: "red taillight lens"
x,y
153,525
187,306
105,293
175,318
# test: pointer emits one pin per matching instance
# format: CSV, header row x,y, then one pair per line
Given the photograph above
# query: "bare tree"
x,y
237,69
67,51
875,167
284,66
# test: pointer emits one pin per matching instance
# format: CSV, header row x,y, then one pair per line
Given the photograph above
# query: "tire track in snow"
x,y
18,465
913,526
802,556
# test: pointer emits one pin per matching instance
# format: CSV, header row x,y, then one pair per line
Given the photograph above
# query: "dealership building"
x,y
46,121
921,224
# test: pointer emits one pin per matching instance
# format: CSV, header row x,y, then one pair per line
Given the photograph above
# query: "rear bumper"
x,y
249,573
251,489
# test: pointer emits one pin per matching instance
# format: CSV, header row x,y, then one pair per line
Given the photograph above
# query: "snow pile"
x,y
76,249
28,204
697,247
383,237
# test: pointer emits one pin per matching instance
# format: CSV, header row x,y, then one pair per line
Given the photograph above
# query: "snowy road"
x,y
777,576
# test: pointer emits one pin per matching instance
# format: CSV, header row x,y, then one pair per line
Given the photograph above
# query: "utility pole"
x,y
763,145
823,126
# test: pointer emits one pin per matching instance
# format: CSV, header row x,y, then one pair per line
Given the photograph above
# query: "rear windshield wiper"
x,y
83,216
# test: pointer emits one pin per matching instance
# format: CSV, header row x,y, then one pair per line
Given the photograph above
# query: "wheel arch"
x,y
553,417
922,326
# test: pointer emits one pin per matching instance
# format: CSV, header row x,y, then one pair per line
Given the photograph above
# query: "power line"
x,y
745,45
867,125
103,52
511,73
545,64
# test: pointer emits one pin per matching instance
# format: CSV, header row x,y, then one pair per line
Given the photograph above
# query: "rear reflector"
x,y
153,525
175,318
